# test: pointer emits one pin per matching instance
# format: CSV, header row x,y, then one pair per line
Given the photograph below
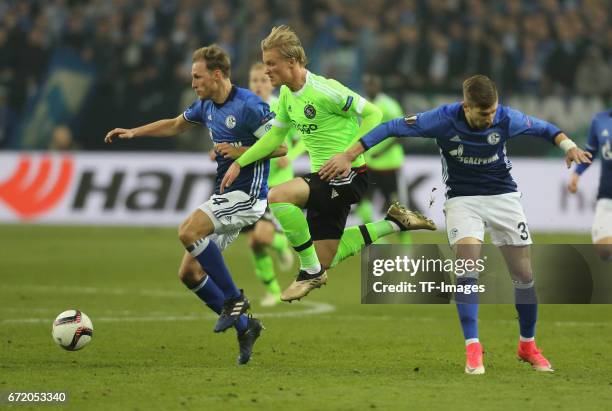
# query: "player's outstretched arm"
x,y
229,151
370,118
264,146
234,171
573,154
340,164
161,128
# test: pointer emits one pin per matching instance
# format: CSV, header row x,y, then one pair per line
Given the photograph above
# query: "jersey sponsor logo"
x,y
230,121
493,138
304,128
348,103
30,197
458,152
458,155
309,111
478,161
410,119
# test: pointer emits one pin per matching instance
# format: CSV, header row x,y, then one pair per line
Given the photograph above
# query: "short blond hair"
x,y
287,42
215,58
257,66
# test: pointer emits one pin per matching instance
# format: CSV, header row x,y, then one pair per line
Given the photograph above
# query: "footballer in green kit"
x,y
329,118
384,160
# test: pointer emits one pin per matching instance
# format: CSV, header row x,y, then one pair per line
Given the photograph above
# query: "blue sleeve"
x,y
258,117
193,114
592,147
429,124
522,124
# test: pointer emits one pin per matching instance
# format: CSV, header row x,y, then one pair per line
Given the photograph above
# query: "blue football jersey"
x,y
240,121
474,162
600,140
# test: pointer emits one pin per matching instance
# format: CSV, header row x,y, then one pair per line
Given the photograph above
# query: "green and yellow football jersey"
x,y
325,114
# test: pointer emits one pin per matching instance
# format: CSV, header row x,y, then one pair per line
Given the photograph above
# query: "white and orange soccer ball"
x,y
72,330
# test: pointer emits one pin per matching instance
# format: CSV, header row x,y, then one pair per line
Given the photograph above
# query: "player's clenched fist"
x,y
118,132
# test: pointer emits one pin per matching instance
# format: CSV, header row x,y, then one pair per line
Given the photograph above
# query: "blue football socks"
x,y
467,307
527,308
209,256
213,297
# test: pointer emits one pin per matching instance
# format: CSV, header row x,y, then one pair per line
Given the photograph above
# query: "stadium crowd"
x,y
141,49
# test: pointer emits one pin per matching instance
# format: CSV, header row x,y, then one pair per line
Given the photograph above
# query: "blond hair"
x,y
257,66
284,39
215,58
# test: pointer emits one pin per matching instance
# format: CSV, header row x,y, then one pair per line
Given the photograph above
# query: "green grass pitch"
x,y
154,349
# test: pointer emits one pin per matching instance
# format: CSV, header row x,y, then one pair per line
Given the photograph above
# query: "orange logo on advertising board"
x,y
25,195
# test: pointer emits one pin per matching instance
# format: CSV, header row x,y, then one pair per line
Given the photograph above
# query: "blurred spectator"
x,y
594,75
142,48
8,120
562,62
61,139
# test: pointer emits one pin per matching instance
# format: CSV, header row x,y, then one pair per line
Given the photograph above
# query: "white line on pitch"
x,y
313,308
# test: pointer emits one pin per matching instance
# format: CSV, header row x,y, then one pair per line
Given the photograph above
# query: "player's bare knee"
x,y
188,233
468,248
263,233
254,245
276,196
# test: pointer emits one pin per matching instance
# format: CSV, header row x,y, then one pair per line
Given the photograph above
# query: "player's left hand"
x,y
338,165
229,151
230,176
578,156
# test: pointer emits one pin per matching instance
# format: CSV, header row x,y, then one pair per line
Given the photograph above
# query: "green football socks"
x,y
264,270
295,226
356,237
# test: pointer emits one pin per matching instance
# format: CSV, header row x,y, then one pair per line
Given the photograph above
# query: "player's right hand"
x,y
230,176
572,186
338,165
118,132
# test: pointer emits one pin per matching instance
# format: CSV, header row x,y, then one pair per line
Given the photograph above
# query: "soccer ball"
x,y
72,330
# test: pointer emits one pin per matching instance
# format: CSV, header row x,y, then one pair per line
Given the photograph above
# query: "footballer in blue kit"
x,y
235,117
600,141
481,194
